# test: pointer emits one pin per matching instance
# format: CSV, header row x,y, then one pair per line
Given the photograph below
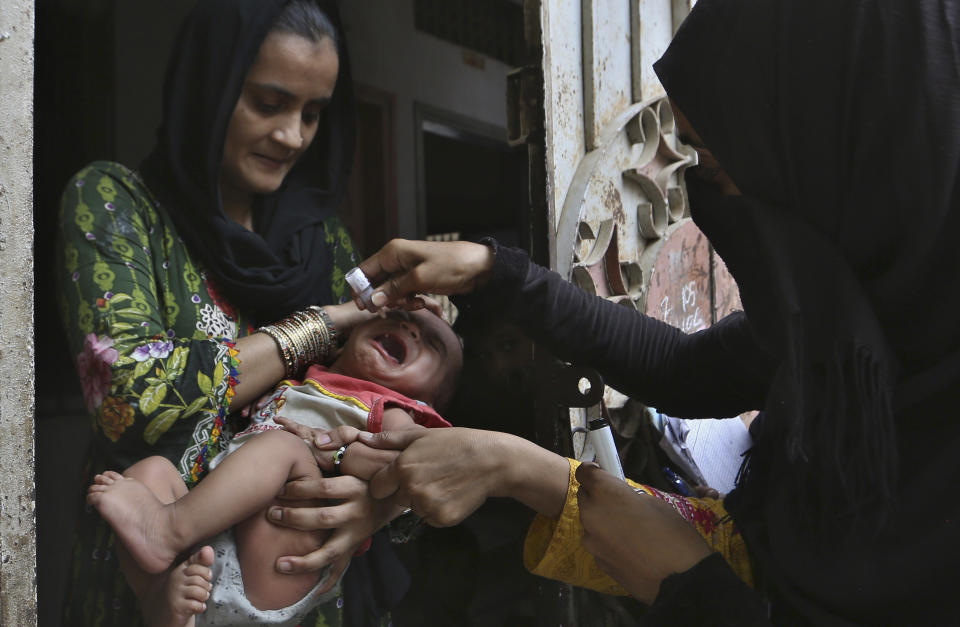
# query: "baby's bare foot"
x,y
183,594
138,517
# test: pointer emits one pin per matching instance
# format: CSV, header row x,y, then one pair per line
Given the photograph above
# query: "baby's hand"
x,y
254,408
303,432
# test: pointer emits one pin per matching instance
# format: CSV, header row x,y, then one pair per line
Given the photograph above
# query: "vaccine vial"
x,y
359,283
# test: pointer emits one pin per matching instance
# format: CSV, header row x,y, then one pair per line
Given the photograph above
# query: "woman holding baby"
x,y
166,271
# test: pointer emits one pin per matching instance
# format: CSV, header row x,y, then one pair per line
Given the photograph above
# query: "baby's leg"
x,y
136,505
175,597
260,543
244,483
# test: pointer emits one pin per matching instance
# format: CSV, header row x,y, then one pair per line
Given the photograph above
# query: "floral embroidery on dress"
x,y
157,350
114,417
703,518
93,364
225,381
215,323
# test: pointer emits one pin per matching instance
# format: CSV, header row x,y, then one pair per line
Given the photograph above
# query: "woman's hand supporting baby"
x,y
356,516
354,520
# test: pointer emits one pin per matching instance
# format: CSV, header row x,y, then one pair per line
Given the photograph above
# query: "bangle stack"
x,y
304,338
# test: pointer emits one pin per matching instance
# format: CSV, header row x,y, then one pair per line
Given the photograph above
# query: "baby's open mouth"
x,y
392,346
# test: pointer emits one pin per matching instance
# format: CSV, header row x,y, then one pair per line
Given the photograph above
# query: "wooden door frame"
x,y
385,102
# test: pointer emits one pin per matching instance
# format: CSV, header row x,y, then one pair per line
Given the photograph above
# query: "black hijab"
x,y
286,264
840,123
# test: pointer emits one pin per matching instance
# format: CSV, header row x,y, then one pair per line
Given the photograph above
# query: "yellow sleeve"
x,y
553,548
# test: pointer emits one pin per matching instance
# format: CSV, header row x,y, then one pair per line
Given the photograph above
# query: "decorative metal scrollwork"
x,y
624,196
624,234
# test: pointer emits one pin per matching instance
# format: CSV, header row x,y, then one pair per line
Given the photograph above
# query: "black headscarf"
x,y
286,264
839,120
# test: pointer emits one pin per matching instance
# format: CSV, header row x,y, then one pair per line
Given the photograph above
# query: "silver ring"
x,y
338,459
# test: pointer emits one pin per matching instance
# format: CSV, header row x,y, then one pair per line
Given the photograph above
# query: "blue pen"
x,y
677,482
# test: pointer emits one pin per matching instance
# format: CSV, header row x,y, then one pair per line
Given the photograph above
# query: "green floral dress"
x,y
153,345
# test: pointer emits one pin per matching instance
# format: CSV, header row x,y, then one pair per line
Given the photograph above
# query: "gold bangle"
x,y
304,338
283,345
292,332
324,316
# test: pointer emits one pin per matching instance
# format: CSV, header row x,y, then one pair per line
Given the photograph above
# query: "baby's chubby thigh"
x,y
260,542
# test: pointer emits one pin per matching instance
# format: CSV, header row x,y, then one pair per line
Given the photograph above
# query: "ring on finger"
x,y
338,459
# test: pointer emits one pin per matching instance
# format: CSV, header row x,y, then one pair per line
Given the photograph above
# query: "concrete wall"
x,y
18,593
388,53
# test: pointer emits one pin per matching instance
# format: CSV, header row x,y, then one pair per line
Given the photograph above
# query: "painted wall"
x,y
18,592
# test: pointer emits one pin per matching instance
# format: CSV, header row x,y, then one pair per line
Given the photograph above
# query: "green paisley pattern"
x,y
152,343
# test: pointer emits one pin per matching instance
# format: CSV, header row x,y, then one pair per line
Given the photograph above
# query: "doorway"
x,y
471,183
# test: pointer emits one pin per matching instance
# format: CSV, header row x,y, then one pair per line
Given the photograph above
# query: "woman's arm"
x,y
644,544
445,474
716,372
261,364
636,538
720,371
